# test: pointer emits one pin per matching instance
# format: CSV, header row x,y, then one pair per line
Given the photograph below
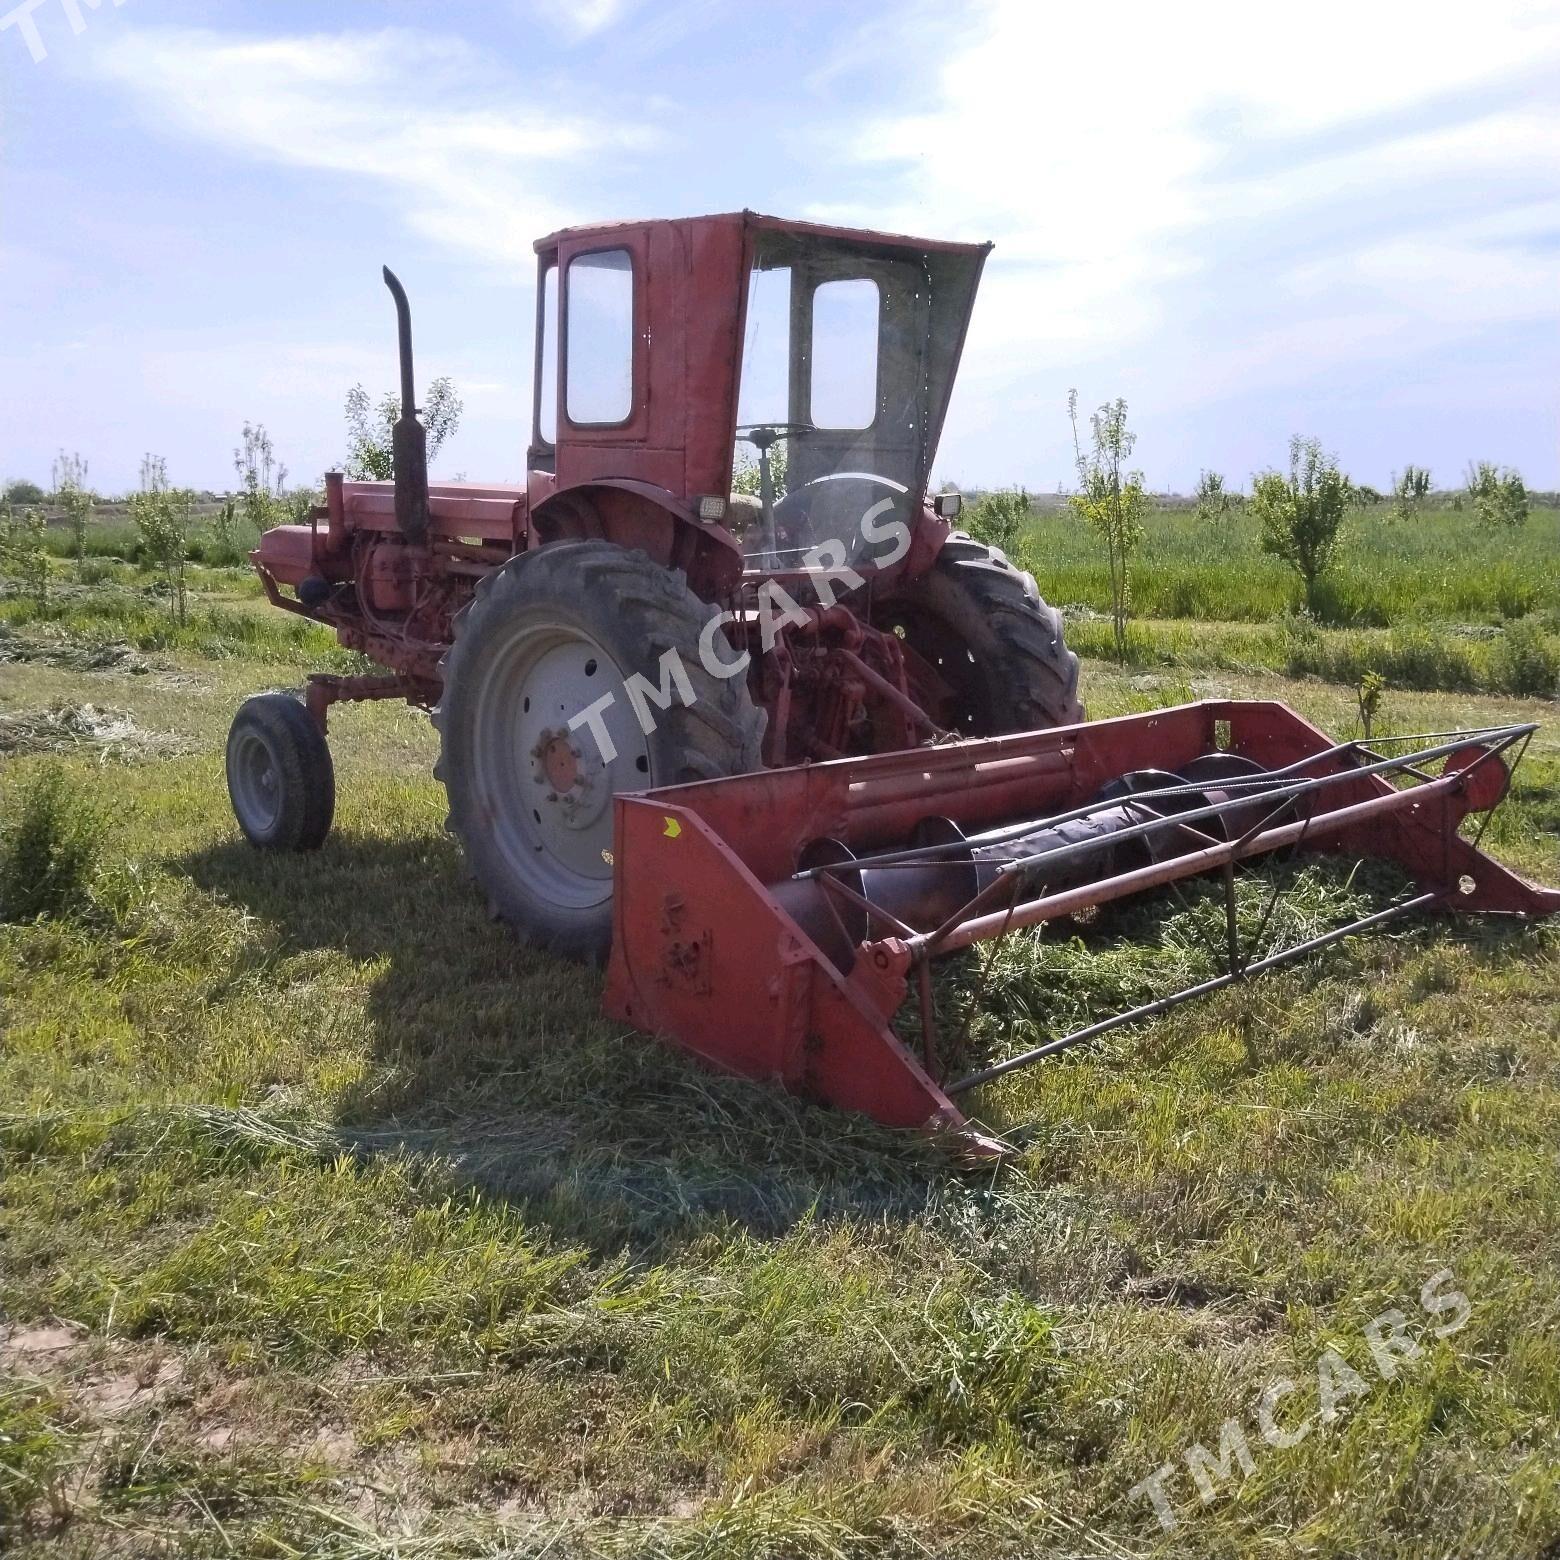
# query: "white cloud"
x,y
1192,204
1448,279
1101,147
580,19
473,162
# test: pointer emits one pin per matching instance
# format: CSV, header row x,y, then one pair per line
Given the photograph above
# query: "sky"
x,y
1249,220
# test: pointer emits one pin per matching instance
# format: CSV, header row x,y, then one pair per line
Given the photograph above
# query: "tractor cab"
x,y
787,380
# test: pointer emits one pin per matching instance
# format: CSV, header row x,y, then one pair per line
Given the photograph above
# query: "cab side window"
x,y
547,360
599,378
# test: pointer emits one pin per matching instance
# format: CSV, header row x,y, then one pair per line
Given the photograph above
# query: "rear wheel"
x,y
987,653
280,778
554,634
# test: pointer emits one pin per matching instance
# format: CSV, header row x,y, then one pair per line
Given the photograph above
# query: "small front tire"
x,y
280,778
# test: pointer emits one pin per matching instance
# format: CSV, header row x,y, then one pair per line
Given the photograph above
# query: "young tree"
x,y
1301,515
1110,499
73,495
261,479
1499,496
1214,500
370,428
228,533
1410,491
23,555
162,516
1368,697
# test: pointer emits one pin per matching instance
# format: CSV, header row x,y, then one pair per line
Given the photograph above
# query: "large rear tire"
x,y
547,637
994,649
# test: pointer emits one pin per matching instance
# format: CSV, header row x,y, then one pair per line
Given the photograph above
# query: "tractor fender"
x,y
647,517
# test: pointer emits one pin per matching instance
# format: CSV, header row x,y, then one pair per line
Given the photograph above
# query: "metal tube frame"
x,y
1273,782
1190,865
1203,988
969,924
954,932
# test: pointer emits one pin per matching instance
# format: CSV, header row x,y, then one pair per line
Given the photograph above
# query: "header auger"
x,y
768,729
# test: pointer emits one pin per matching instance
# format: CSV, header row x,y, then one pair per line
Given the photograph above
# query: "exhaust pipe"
x,y
409,439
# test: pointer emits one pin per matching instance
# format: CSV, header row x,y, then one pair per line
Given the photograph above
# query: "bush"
x,y
22,493
1499,496
50,850
1525,662
1413,655
1419,656
748,475
999,519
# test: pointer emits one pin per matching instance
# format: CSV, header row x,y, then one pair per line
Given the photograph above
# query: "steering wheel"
x,y
836,505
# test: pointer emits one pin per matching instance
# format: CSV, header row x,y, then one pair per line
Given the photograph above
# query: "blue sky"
x,y
1249,220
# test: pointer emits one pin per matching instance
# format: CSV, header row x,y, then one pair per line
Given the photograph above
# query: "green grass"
x,y
1518,659
111,535
373,1237
1440,566
226,621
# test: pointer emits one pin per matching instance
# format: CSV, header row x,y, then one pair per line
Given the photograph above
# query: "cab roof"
x,y
758,220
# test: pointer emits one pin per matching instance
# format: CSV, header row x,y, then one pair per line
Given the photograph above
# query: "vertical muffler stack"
x,y
409,439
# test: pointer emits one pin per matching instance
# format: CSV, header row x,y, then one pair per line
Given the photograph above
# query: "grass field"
x,y
1437,567
334,1222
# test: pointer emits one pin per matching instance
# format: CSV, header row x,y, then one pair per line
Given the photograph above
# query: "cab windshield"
x,y
848,351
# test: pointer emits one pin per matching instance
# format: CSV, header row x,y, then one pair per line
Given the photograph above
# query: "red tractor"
x,y
721,691
627,620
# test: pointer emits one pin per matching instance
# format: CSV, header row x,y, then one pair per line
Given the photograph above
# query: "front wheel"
x,y
280,778
573,628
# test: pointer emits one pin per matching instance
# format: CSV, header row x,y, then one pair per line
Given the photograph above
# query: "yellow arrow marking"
x,y
673,828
